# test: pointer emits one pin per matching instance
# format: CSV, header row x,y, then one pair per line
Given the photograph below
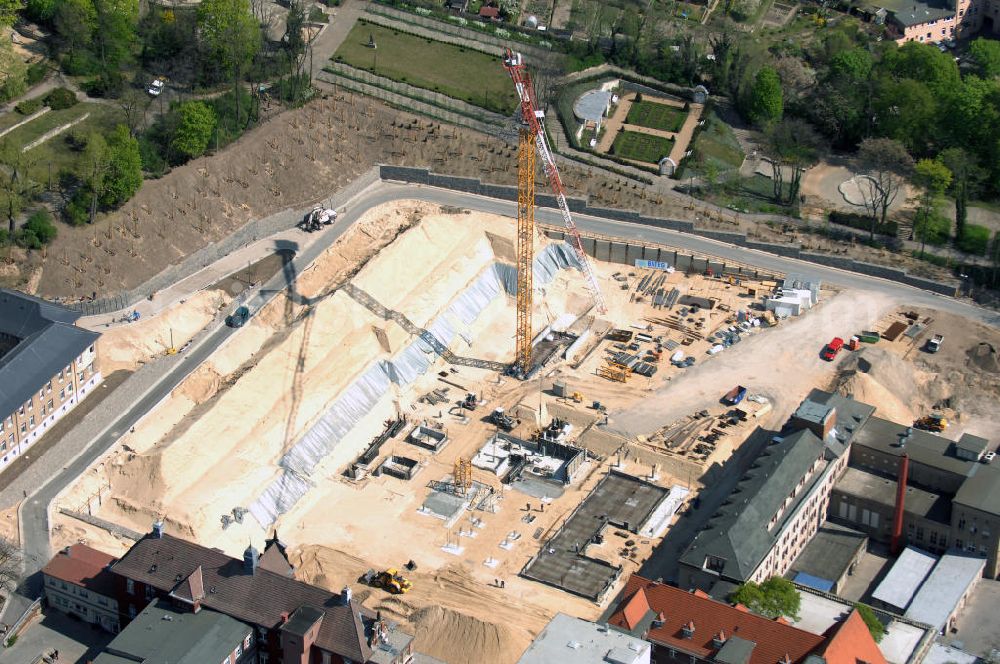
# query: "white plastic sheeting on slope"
x,y
359,398
547,263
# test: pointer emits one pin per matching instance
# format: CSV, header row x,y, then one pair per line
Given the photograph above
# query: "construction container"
x,y
559,388
869,337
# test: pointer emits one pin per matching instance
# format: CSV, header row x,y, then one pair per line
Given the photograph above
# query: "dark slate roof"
x,y
302,620
160,634
869,486
274,559
738,533
735,651
829,553
49,341
981,489
921,446
261,598
852,416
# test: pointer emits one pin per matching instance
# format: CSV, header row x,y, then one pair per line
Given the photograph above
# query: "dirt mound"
x,y
450,636
894,373
866,389
983,356
201,385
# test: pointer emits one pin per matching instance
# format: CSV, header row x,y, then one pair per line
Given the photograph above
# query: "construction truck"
x,y
502,419
390,580
934,343
933,422
470,402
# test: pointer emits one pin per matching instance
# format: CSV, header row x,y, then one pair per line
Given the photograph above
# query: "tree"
x,y
37,231
905,110
774,598
933,177
765,104
15,185
114,31
875,626
886,163
14,72
134,104
194,129
10,565
73,21
9,10
124,173
233,35
792,145
986,54
852,65
966,175
93,166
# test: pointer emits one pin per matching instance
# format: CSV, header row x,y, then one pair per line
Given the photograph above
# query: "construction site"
x,y
471,402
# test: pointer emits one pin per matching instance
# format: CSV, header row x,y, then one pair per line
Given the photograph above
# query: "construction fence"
x,y
580,206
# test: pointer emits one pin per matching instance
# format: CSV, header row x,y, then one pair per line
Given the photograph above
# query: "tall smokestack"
x,y
897,520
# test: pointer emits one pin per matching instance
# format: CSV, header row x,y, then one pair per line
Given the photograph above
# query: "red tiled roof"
x,y
83,566
489,12
774,641
850,642
635,609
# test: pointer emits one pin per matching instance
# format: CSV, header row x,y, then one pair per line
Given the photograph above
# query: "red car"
x,y
831,349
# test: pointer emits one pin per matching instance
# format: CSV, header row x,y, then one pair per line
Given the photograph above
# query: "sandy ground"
x,y
821,187
782,364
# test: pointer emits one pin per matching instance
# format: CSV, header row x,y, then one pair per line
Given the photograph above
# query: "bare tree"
x,y
134,105
886,165
10,565
792,145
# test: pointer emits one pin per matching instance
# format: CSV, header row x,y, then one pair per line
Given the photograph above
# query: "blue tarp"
x,y
810,581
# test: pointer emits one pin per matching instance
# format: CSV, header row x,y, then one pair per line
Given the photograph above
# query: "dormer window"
x,y
688,630
719,639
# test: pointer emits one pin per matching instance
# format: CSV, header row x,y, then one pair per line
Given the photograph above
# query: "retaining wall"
x,y
476,186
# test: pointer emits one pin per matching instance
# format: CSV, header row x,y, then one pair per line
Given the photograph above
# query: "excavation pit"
x,y
428,438
400,467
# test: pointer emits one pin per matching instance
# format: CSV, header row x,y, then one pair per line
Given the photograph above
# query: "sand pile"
x,y
451,636
983,356
865,388
128,346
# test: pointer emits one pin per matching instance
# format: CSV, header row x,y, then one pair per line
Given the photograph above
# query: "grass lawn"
x,y
641,147
56,151
753,194
452,70
656,116
716,146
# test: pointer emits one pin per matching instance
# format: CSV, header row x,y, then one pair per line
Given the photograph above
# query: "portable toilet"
x,y
855,343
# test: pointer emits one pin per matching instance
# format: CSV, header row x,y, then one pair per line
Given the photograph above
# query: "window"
x,y
31,421
239,650
130,586
961,522
91,349
24,428
131,611
246,641
48,386
149,592
920,533
62,394
50,406
228,660
959,544
933,537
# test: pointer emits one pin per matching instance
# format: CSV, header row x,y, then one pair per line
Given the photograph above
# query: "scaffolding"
x,y
463,475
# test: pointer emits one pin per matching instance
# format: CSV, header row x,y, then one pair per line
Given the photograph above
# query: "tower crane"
x,y
532,140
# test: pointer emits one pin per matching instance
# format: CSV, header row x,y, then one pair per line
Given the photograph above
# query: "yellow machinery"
x,y
525,249
463,475
390,580
577,397
936,423
615,371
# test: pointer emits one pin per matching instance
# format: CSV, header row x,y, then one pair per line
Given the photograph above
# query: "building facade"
x,y
47,366
934,21
952,497
77,582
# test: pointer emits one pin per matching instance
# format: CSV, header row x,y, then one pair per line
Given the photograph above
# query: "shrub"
x,y
77,139
80,63
109,85
934,230
60,98
40,227
862,222
975,239
153,163
76,212
37,72
28,106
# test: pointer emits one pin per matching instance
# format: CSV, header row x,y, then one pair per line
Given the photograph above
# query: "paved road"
x,y
34,513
